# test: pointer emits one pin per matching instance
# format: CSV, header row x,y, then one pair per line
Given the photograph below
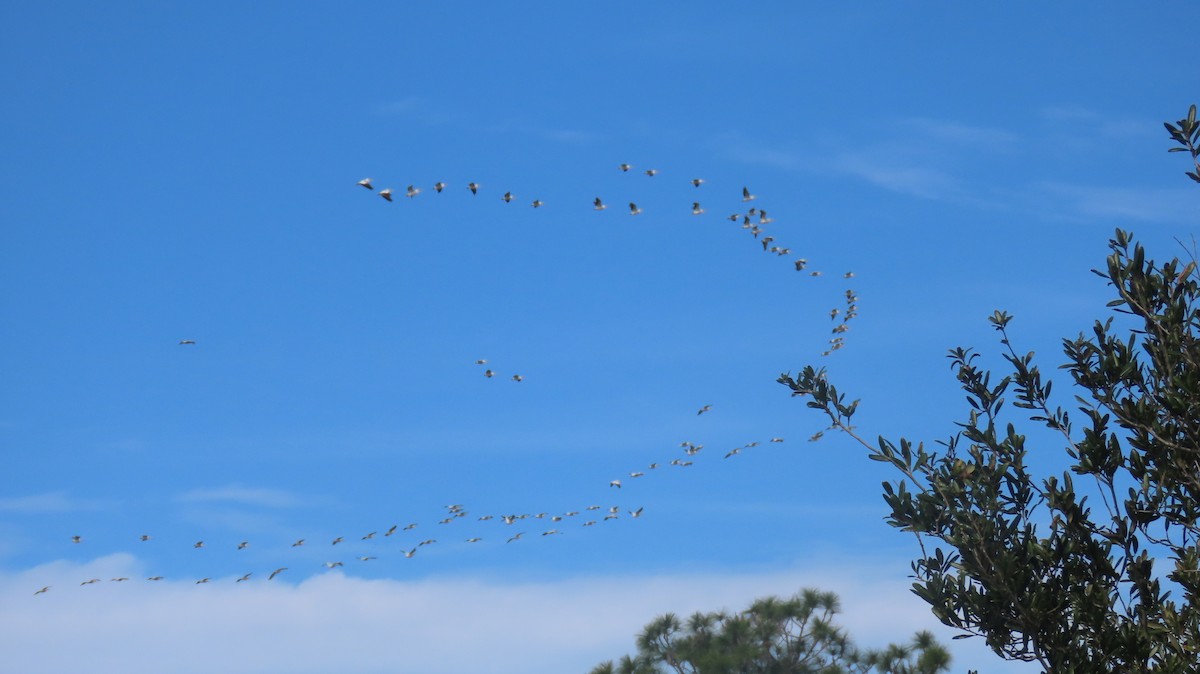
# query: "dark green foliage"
x,y
773,636
1186,132
1028,563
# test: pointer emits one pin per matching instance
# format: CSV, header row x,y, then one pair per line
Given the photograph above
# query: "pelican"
x,y
551,532
653,466
411,526
429,541
144,537
593,507
44,589
611,517
590,523
598,205
366,182
484,518
203,580
509,519
198,545
697,182
776,439
337,540
848,274
245,577
614,510
704,409
515,537
636,513
412,191
386,193
184,342
448,520
746,196
800,264
89,582
508,197
298,543
409,553
122,579
833,313
489,374
633,209
537,203
751,444
77,539
474,540
814,273
474,187
518,378
391,531
155,578
615,483
685,464
333,565
366,559
439,187
734,217
368,536
696,210
737,450
636,474
651,172
243,545
276,572
556,518
481,361
625,167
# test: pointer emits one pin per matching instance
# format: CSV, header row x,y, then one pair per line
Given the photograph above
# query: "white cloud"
x,y
336,623
256,496
49,502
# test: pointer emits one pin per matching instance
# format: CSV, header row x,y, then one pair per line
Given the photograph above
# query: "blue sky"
x,y
188,172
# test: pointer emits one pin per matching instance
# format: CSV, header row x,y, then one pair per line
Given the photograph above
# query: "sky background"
x,y
188,172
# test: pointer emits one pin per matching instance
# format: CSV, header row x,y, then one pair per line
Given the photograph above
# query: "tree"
x,y
773,636
1027,563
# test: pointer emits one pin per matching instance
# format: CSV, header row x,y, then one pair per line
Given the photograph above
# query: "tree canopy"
x,y
772,636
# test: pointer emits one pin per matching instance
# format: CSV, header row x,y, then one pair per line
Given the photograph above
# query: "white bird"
x,y
333,565
593,507
651,172
184,342
386,193
734,451
614,510
653,466
44,589
590,523
412,191
625,167
118,580
366,182
409,553
243,545
537,203
337,540
518,378
429,541
636,513
508,197
598,205
800,264
298,543
515,537
697,182
474,540
636,474
848,274
144,537
89,582
366,559
411,526
276,572
633,209
746,196
696,210
391,531
474,187
551,532
615,483
776,439
245,577
198,545
489,374
704,409
481,361
203,580
439,187
155,578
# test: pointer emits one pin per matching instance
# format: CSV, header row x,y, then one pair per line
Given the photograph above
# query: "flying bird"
x,y
391,531
651,172
276,572
368,536
633,209
366,182
77,539
474,540
366,559
198,545
697,182
737,450
333,565
386,193
144,537
636,474
243,545
746,196
203,580
515,537
298,543
89,582
598,205
696,210
155,578
537,203
44,589
508,197
704,409
489,374
481,361
636,513
408,554
439,187
245,577
412,191
337,540
615,483
625,167
474,187
518,378
184,342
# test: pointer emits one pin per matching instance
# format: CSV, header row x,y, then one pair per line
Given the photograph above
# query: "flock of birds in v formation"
x,y
754,220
